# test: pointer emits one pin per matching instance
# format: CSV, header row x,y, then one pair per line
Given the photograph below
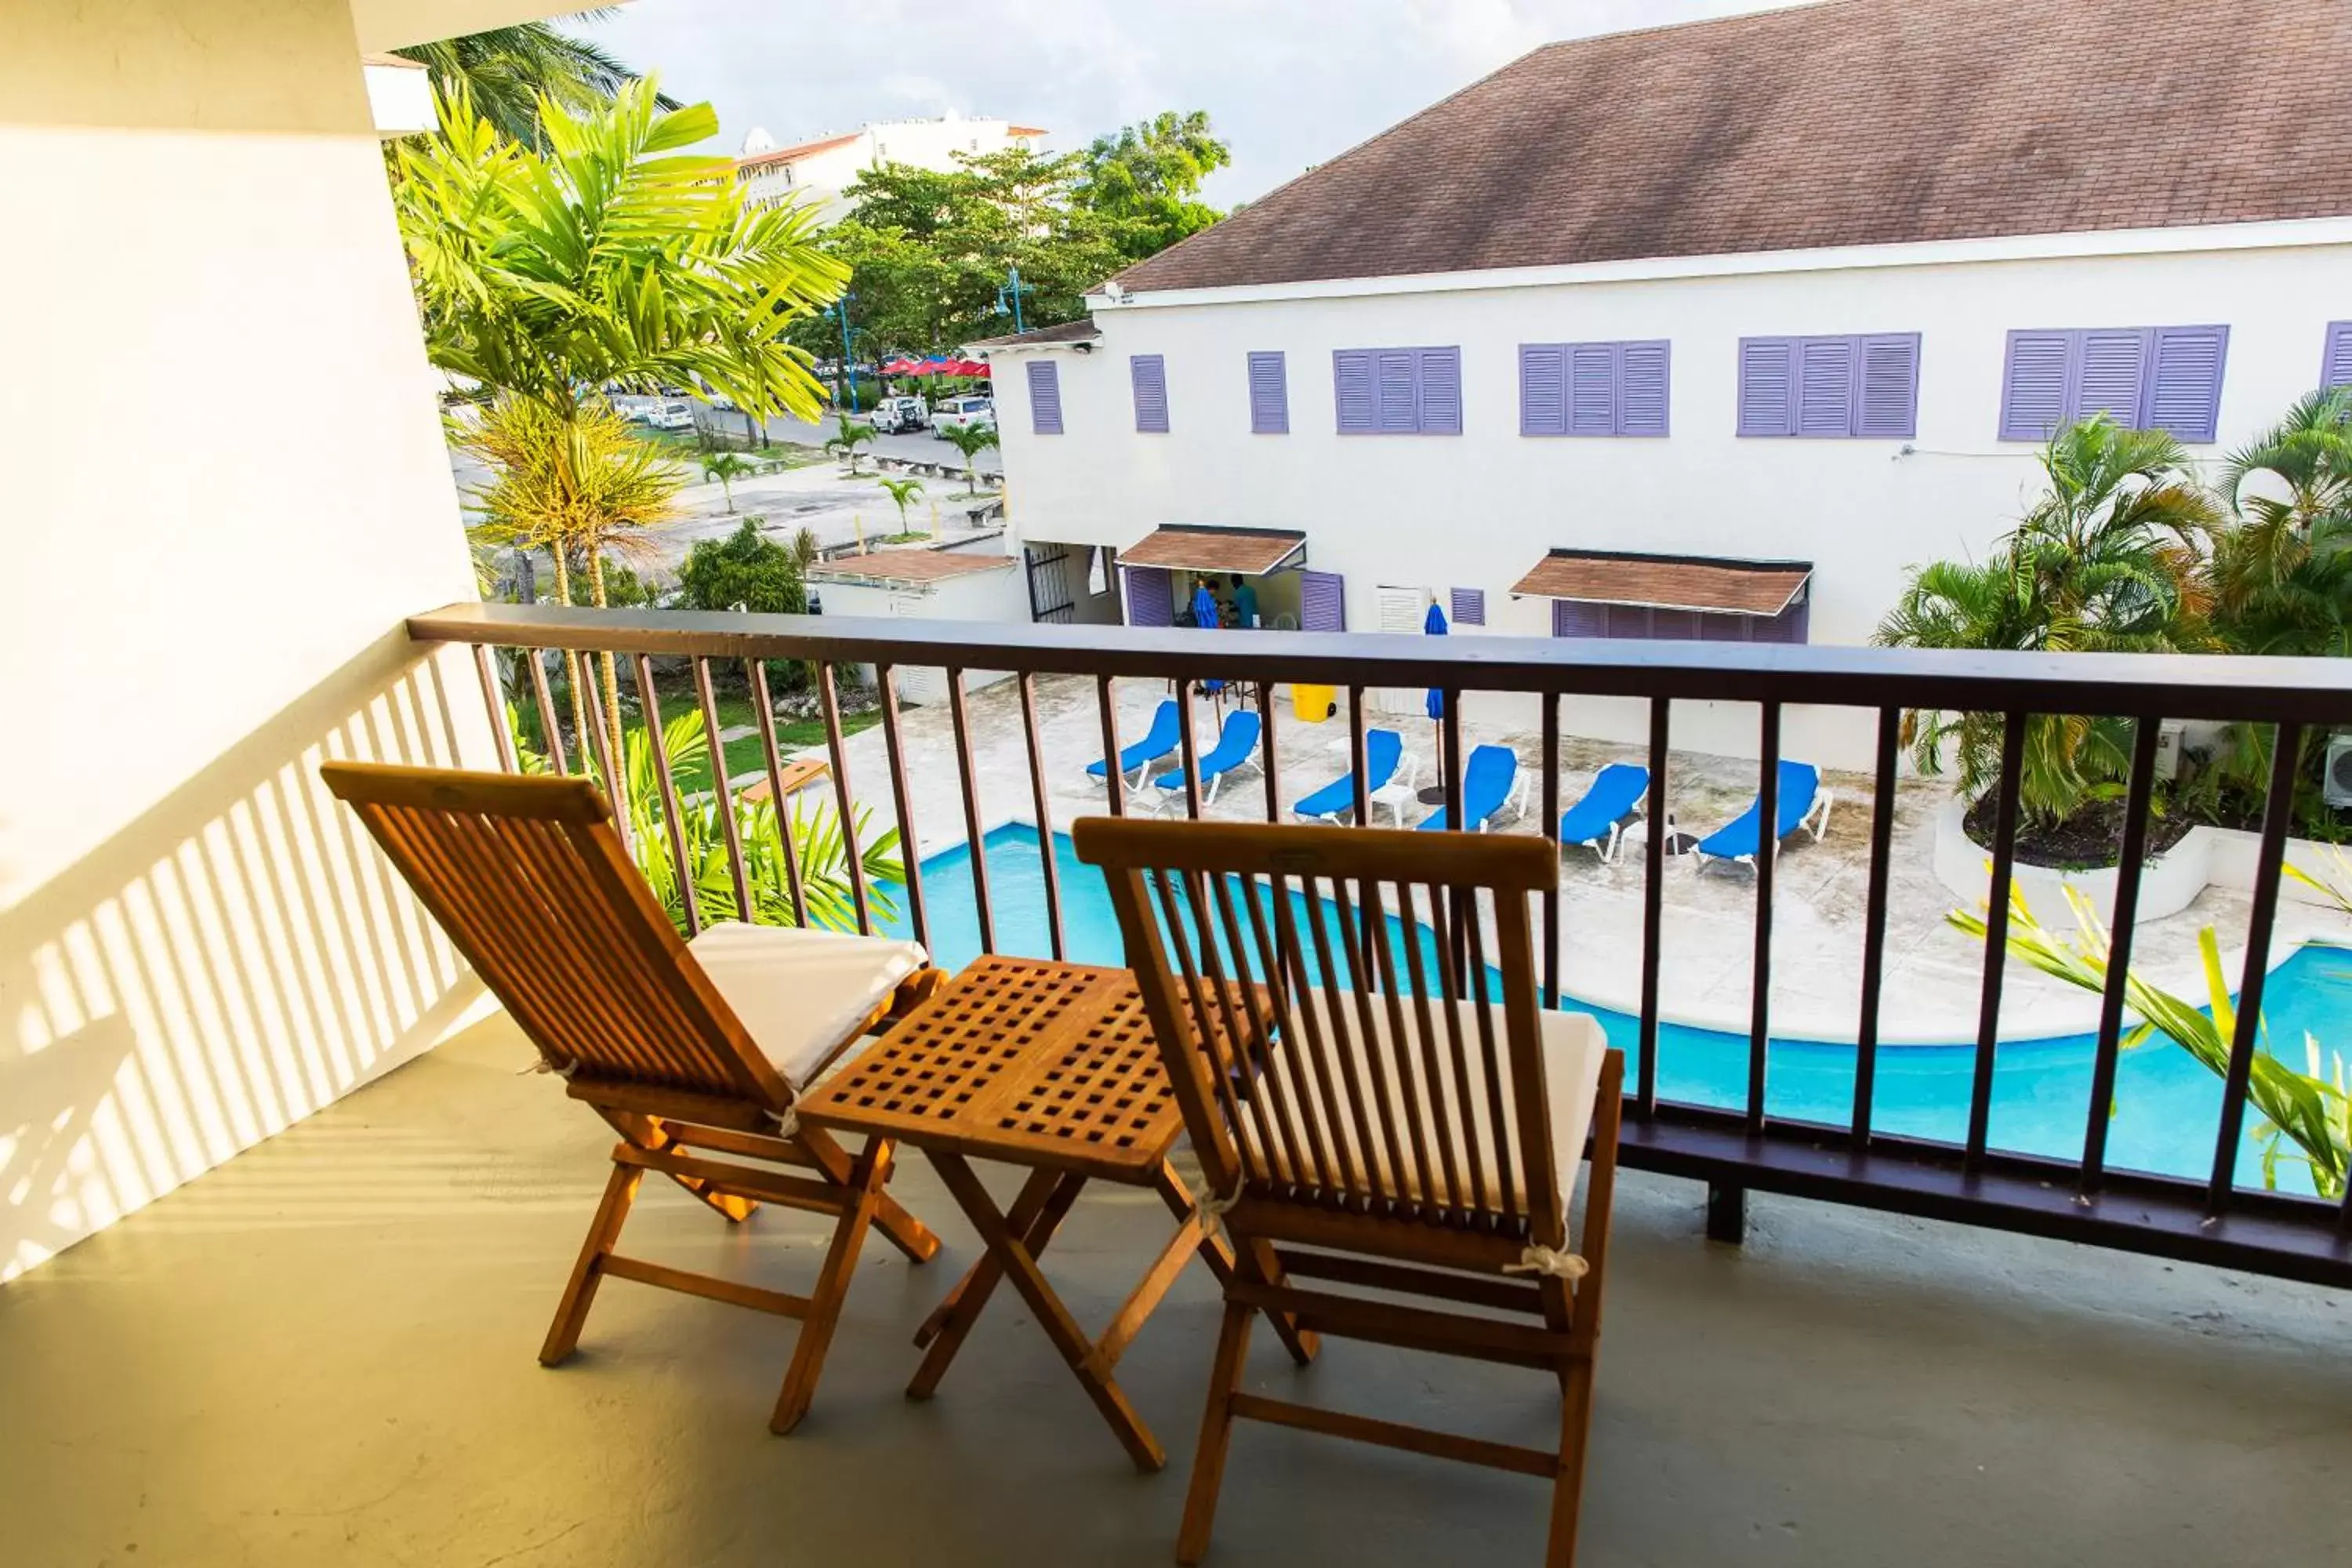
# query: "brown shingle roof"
x,y
1252,551
1858,122
1082,331
908,565
1666,582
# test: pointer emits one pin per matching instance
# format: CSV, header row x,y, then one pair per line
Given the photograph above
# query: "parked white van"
x,y
971,409
671,417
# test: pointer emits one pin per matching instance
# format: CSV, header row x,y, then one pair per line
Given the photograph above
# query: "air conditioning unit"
x,y
2337,781
2169,736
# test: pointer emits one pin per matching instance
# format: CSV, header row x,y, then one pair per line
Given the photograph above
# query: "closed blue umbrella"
x,y
1435,625
1204,616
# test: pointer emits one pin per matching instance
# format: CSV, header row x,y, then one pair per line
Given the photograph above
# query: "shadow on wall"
x,y
231,961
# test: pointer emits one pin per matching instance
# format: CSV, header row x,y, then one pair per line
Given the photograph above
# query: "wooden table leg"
x,y
1300,1343
1083,1357
1044,1202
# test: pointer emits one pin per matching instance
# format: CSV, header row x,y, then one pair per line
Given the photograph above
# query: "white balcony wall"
x,y
1477,510
228,487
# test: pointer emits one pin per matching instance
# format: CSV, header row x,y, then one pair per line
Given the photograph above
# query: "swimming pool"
x,y
2167,1105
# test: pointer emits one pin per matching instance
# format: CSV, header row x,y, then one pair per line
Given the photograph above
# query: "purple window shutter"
x,y
1150,597
1574,619
1438,383
2111,375
1793,625
1352,391
1396,374
2034,384
1592,389
1888,406
1543,389
1723,627
1322,601
2184,394
1149,376
1768,404
1629,621
2336,359
1826,374
1641,389
1675,625
1269,394
1045,397
1469,606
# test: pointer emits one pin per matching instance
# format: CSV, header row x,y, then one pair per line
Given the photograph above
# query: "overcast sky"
x,y
1289,83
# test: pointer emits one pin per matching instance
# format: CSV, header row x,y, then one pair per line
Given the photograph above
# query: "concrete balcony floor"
x,y
323,1353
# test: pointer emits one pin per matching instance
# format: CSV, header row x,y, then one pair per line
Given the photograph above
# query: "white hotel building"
x,y
1710,330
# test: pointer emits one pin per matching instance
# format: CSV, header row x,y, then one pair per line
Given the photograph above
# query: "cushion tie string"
x,y
1212,1210
1556,1262
544,1065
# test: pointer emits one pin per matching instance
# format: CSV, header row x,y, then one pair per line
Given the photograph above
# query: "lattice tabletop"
x,y
1017,1059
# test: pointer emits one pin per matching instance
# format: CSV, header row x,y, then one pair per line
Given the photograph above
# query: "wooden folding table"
x,y
1053,1067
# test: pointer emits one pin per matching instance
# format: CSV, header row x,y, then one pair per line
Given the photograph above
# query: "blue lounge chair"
x,y
1383,750
1596,820
1163,737
1490,781
1235,745
1803,803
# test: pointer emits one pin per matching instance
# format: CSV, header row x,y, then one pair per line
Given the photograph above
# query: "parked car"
x,y
957,412
896,416
672,416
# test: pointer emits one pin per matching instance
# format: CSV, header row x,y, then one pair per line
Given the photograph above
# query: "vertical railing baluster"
x,y
1114,780
910,853
1189,748
1653,906
763,713
2004,862
1047,857
494,702
1768,854
1357,762
1450,730
1268,764
972,825
2278,815
722,793
1874,923
1550,808
2122,919
604,750
829,702
549,731
649,709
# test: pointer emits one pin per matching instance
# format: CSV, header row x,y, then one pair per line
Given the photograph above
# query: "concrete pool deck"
x,y
1933,972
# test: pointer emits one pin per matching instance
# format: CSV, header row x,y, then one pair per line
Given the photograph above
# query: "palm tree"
x,y
852,435
2108,560
902,491
805,549
508,70
2281,573
971,441
726,467
609,256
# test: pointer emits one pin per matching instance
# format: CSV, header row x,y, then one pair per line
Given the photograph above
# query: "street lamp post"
x,y
1010,291
848,370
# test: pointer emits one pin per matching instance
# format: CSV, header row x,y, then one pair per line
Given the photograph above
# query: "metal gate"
x,y
1049,583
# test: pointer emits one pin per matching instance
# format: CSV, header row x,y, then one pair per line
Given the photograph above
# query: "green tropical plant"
x,y
1144,177
2282,572
746,570
2108,560
2302,1110
903,492
726,467
850,435
806,550
508,72
970,441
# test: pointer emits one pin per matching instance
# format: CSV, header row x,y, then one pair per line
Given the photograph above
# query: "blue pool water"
x,y
2167,1105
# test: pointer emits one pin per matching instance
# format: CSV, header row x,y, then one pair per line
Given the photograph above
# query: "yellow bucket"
x,y
1313,704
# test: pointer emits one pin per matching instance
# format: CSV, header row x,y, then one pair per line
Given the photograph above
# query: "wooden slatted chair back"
x,y
528,876
1395,1068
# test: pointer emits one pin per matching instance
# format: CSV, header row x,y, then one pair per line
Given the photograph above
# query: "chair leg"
x,y
1216,1435
579,1293
832,1286
1567,1483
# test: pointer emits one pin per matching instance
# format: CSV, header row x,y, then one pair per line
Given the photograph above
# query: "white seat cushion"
x,y
800,993
1574,1053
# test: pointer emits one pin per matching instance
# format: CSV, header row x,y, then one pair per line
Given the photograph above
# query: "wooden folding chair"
x,y
689,1050
1401,1120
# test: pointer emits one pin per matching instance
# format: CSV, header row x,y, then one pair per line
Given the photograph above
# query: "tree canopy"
x,y
507,71
745,568
1145,177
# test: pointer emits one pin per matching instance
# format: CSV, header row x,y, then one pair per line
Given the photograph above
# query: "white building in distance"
x,y
816,171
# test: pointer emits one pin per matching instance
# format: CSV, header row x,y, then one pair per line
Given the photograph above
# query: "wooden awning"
x,y
910,567
1712,584
1243,552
